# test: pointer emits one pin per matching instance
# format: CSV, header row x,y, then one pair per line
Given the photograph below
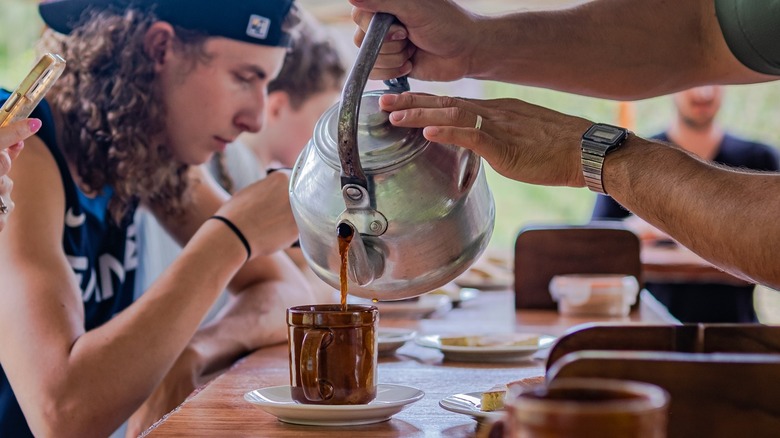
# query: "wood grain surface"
x,y
219,409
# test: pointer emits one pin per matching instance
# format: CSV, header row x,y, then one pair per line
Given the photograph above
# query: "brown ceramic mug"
x,y
577,407
333,353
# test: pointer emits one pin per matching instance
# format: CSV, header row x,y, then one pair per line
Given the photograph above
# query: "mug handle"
x,y
314,341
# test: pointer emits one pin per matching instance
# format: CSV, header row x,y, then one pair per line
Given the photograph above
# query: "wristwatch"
x,y
598,141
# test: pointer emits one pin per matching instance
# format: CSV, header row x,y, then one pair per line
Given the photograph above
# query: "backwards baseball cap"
x,y
253,21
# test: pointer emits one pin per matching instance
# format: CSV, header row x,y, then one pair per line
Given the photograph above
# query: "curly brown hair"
x,y
109,101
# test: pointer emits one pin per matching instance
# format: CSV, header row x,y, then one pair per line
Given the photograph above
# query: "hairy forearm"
x,y
600,48
723,215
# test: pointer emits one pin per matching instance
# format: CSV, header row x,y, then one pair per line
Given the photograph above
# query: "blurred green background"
x,y
751,111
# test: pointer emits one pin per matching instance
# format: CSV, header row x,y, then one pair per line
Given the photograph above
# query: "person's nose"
x,y
250,117
704,93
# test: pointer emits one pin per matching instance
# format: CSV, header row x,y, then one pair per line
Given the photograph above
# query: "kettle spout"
x,y
365,264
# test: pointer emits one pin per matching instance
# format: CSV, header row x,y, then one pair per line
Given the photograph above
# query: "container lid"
x,y
380,144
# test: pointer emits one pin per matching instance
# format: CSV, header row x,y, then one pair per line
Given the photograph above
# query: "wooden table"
x,y
676,264
219,409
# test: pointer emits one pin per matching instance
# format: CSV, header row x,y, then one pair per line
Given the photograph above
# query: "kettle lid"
x,y
380,144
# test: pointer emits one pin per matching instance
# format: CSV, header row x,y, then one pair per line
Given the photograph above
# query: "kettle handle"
x,y
351,170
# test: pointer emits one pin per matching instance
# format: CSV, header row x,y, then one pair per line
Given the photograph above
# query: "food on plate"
x,y
494,340
493,398
485,274
479,272
451,290
526,383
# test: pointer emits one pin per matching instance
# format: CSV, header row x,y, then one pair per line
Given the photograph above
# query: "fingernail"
x,y
34,125
397,36
389,99
397,116
431,131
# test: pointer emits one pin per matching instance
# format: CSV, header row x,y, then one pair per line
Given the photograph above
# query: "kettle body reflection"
x,y
421,212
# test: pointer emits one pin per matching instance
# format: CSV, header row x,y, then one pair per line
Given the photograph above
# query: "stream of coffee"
x,y
345,234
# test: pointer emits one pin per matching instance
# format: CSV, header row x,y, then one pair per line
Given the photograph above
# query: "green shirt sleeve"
x,y
752,32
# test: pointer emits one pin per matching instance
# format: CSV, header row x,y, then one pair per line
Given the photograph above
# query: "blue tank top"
x,y
102,254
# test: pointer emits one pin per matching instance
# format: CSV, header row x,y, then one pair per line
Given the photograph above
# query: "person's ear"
x,y
278,102
158,42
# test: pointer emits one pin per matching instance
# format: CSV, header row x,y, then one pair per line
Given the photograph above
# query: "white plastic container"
x,y
594,294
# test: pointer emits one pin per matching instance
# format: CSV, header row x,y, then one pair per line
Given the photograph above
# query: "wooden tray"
x,y
688,338
723,378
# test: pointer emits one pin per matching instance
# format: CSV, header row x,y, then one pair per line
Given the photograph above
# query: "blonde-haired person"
x,y
152,90
310,82
12,138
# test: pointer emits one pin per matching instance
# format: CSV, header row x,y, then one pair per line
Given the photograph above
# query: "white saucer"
x,y
468,404
466,294
390,400
391,339
456,293
422,307
491,353
486,277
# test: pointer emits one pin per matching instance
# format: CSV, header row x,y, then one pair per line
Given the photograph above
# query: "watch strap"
x,y
592,166
596,144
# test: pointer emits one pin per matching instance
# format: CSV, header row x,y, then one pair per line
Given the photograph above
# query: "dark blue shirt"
x,y
101,253
705,302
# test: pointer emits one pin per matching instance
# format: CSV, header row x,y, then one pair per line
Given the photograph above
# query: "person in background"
x,y
310,82
12,138
151,91
696,130
619,49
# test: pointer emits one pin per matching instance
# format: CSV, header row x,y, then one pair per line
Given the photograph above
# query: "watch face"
x,y
605,134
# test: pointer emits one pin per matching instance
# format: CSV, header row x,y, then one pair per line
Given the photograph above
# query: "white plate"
x,y
421,307
492,353
391,339
456,293
485,276
484,284
390,400
469,404
466,294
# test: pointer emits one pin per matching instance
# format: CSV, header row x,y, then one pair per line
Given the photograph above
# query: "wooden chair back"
x,y
544,252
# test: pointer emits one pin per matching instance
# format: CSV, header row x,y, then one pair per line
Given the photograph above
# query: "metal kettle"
x,y
420,212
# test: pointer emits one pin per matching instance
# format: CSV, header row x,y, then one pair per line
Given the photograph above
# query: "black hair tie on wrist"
x,y
271,170
237,232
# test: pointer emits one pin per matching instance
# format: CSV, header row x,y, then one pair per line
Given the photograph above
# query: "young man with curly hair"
x,y
153,89
309,83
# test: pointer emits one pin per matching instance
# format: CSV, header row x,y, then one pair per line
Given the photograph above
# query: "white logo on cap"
x,y
258,27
